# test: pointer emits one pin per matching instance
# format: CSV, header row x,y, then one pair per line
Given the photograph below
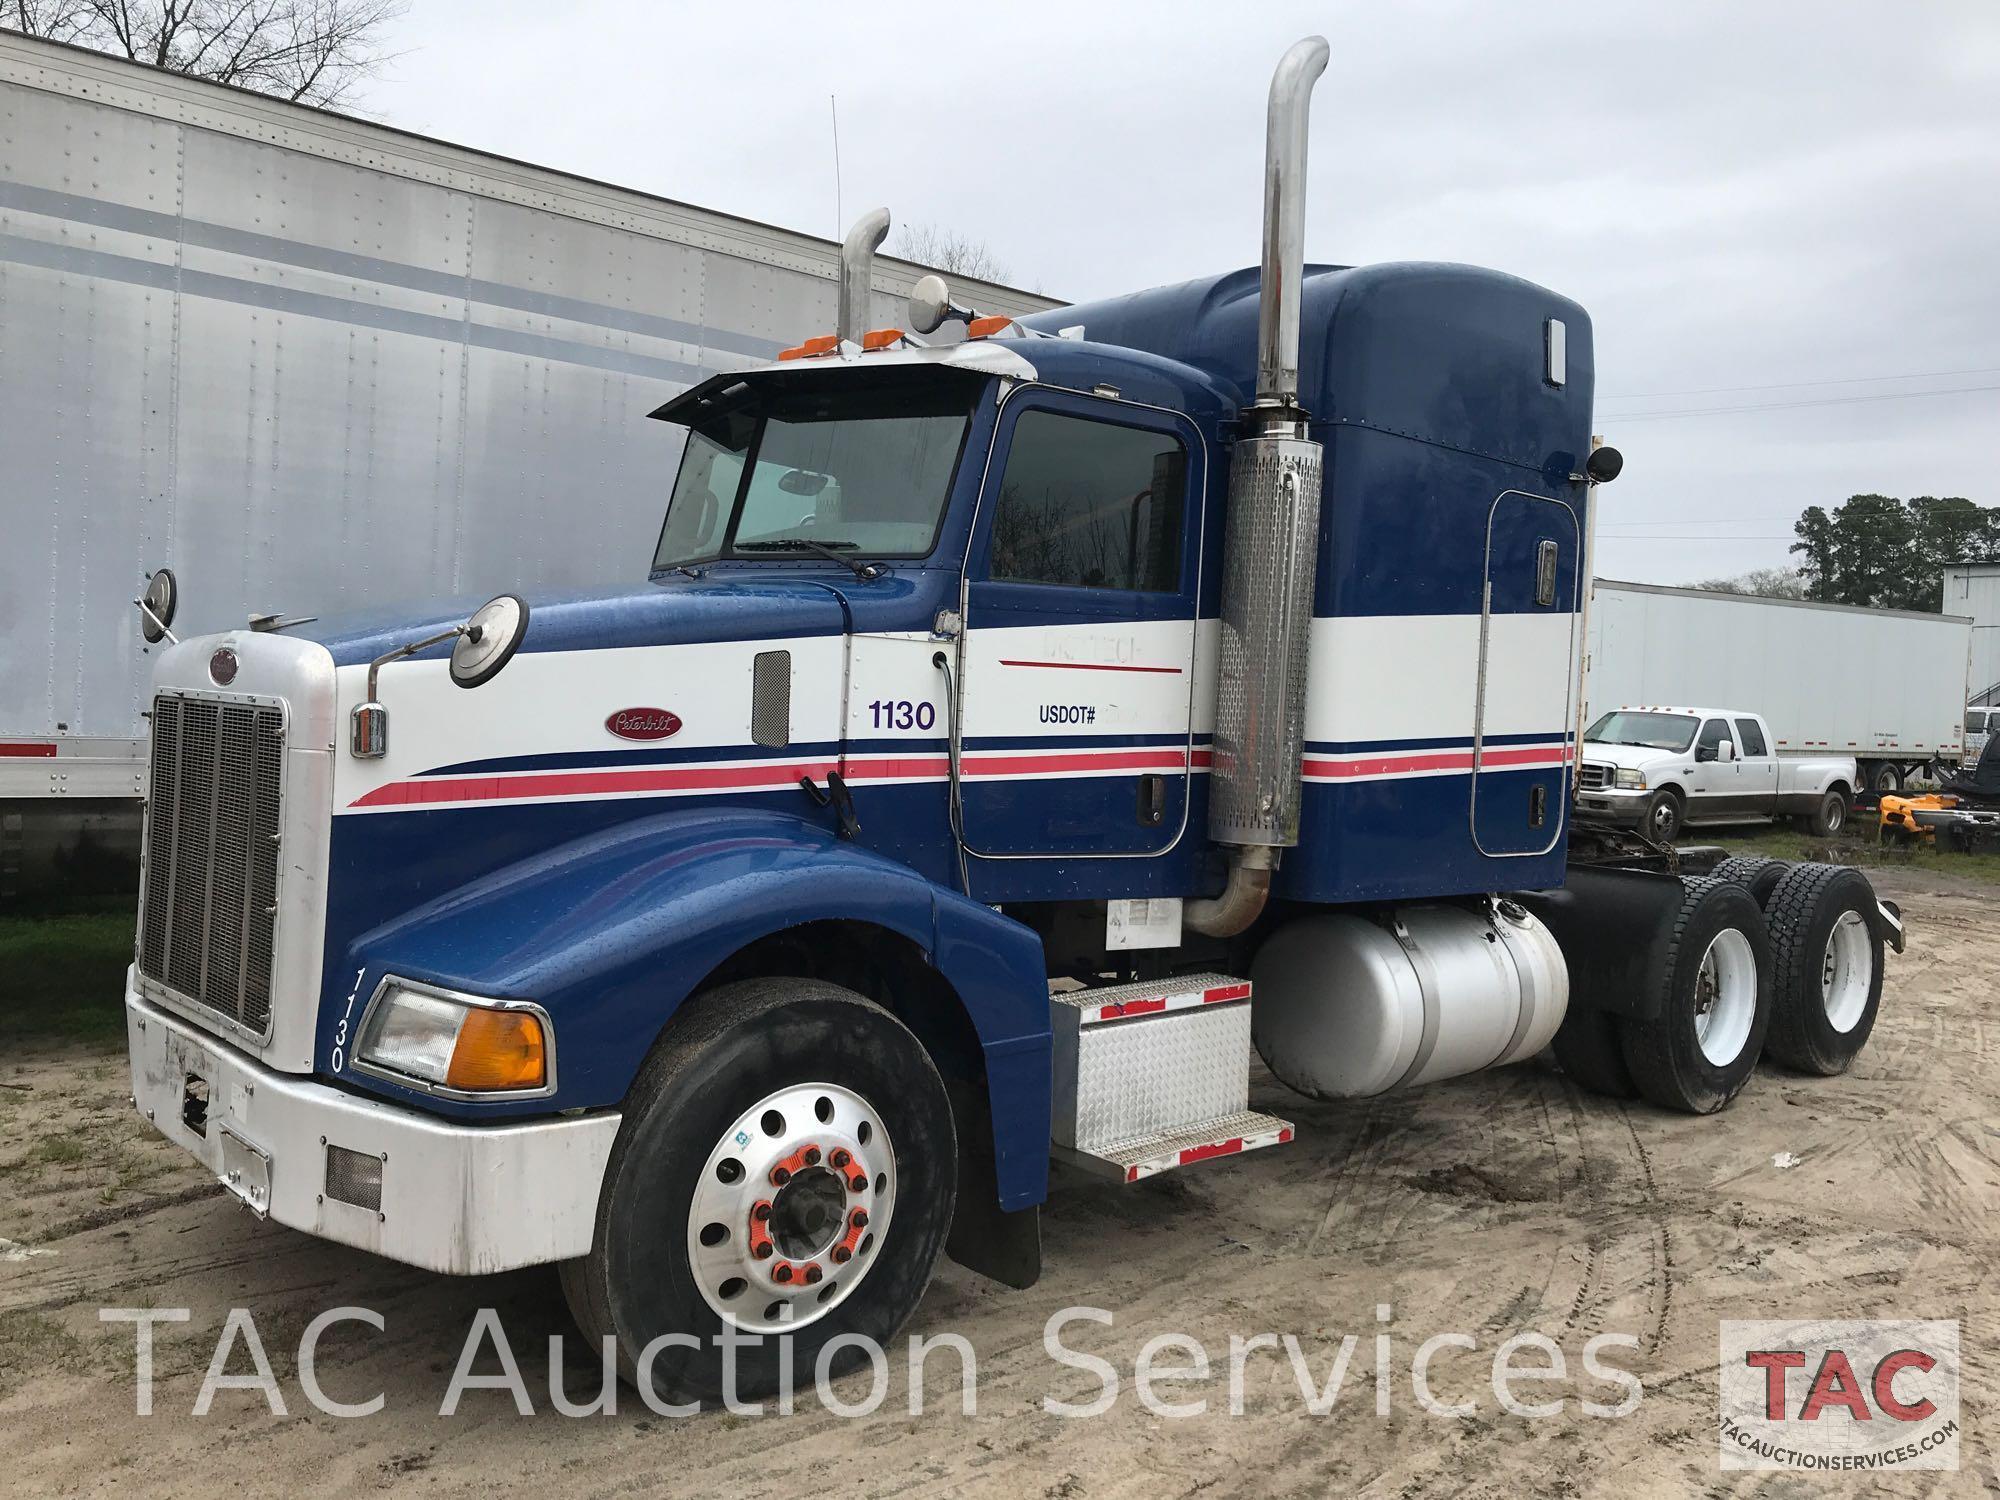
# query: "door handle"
x,y
1152,800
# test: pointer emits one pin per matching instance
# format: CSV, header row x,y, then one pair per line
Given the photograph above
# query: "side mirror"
x,y
1726,751
489,640
1604,465
157,606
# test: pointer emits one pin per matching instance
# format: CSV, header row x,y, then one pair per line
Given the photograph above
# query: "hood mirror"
x,y
157,606
803,482
931,306
489,640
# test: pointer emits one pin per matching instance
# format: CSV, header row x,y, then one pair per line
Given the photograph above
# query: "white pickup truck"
x,y
1658,769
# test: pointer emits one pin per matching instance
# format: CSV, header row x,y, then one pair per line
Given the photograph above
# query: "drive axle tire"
x,y
1716,1007
1754,873
1664,814
787,1165
1590,1051
1827,972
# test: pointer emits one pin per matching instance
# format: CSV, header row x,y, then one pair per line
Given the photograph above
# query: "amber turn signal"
x,y
499,1050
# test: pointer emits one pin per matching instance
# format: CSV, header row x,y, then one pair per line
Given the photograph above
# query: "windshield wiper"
x,y
867,572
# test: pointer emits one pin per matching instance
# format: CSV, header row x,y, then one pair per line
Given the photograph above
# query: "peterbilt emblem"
x,y
643,723
222,666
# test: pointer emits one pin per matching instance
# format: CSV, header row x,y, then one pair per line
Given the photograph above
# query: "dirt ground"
x,y
1496,1204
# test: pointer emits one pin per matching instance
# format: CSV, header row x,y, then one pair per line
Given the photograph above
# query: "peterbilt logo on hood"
x,y
643,723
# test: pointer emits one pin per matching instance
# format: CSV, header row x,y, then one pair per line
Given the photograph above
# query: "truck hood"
x,y
1629,757
732,606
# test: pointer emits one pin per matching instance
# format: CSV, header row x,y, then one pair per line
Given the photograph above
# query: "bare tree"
x,y
1765,583
947,250
309,51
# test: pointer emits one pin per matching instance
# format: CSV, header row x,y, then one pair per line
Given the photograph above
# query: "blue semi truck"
x,y
1022,721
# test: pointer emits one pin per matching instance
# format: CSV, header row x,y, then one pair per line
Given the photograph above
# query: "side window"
x,y
1975,721
1713,733
1749,738
1088,505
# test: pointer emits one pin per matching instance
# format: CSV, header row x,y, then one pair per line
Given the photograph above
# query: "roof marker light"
x,y
880,338
980,328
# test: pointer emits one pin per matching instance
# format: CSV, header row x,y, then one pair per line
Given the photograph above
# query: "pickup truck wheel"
x,y
1831,815
1699,1052
1662,820
1590,1051
787,1165
1756,874
1828,970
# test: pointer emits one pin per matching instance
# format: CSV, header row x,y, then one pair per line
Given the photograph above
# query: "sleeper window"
x,y
1089,505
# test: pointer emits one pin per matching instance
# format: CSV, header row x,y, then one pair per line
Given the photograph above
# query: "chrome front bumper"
x,y
434,1193
1609,806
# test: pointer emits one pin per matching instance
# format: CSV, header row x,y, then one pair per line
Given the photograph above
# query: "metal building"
x,y
314,364
1974,589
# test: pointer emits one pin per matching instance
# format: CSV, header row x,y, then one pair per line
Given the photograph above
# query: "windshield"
x,y
1652,731
800,468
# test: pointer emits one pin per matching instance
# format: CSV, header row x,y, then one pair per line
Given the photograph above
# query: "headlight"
x,y
1631,781
455,1043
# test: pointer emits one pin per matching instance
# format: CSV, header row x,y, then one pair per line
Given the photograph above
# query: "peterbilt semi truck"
x,y
1014,730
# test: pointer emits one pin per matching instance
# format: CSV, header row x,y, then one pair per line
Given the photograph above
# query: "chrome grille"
x,y
208,918
1593,778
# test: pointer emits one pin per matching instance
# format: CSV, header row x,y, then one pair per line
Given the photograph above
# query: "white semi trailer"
x,y
299,358
1886,686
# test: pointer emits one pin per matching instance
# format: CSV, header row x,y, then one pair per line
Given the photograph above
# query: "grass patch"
x,y
1857,846
65,978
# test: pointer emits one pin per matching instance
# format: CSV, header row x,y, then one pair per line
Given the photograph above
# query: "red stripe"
x,y
1131,1008
29,749
1225,992
1438,760
1220,1148
733,776
1088,666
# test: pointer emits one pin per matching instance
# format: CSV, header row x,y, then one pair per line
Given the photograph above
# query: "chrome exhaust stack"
x,y
857,264
1270,545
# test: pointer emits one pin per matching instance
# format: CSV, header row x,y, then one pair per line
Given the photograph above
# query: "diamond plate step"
x,y
1227,1135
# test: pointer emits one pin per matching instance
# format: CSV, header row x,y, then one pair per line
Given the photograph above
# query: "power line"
x,y
1790,385
1717,411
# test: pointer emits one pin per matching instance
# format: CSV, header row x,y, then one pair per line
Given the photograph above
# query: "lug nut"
x,y
813,1275
781,1273
840,1158
761,1212
812,1156
858,1183
762,1250
780,1176
859,1218
842,1255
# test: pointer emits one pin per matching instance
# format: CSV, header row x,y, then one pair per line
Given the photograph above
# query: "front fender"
x,y
611,933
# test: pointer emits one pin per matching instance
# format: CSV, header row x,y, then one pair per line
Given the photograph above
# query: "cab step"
x,y
1156,1075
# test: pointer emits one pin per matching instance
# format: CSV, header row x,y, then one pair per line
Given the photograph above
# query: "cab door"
x,y
1527,663
1756,769
1076,685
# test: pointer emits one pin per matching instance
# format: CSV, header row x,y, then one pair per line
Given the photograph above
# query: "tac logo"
x,y
1839,1396
644,723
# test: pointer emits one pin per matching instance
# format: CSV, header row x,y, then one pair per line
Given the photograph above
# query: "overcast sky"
x,y
1788,206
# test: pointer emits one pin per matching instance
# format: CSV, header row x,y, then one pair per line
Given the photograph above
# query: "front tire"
x,y
771,1113
1663,816
1700,1051
1828,969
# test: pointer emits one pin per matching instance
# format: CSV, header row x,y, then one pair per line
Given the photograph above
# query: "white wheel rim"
x,y
815,1252
1725,996
1847,972
1663,819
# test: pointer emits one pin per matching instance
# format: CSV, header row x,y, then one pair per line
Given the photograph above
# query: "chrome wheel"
x,y
790,1206
1847,971
1725,997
